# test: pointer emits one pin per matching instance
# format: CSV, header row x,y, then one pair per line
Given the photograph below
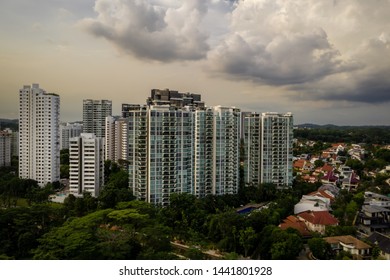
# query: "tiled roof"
x,y
301,163
319,218
322,194
294,222
330,177
327,168
349,240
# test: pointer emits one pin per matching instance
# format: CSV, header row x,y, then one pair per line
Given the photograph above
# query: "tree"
x,y
320,248
247,239
319,163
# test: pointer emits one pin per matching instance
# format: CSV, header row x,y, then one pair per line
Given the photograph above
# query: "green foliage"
x,y
247,239
334,134
340,230
21,227
278,244
344,255
64,156
320,249
194,254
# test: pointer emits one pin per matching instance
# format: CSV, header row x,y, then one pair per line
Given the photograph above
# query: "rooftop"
x,y
348,240
294,222
374,209
319,218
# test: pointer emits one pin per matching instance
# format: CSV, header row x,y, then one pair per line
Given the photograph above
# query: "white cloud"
x,y
151,30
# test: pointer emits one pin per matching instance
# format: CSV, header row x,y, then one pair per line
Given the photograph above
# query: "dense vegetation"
x,y
115,226
346,134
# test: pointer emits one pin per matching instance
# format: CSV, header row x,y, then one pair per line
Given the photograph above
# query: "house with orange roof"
x,y
303,166
325,169
318,221
296,223
324,194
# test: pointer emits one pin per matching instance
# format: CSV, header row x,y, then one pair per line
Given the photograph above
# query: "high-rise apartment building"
x,y
174,98
86,164
14,142
216,150
5,148
268,143
160,158
182,149
94,116
68,131
115,141
39,139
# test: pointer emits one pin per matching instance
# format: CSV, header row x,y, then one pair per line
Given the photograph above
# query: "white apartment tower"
x,y
226,150
268,143
86,164
39,139
94,116
160,158
182,150
68,131
115,141
5,148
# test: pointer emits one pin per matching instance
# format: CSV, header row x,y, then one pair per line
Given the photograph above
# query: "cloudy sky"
x,y
325,61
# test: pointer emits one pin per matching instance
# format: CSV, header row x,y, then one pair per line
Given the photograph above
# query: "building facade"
x,y
68,131
94,116
182,150
39,138
115,141
268,143
5,148
86,164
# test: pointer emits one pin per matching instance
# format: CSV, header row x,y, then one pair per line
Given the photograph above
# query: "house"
x,y
303,166
330,178
318,221
350,181
296,223
348,243
331,189
326,168
325,194
309,178
312,203
373,218
371,198
383,242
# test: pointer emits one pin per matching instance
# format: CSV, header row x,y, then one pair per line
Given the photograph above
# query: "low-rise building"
x,y
296,223
373,218
357,248
318,221
312,203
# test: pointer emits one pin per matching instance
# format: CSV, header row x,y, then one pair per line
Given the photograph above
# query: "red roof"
x,y
294,222
322,194
319,218
327,168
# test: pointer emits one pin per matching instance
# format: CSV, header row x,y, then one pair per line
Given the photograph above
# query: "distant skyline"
x,y
327,62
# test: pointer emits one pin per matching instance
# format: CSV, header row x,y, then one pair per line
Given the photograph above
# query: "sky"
x,y
326,61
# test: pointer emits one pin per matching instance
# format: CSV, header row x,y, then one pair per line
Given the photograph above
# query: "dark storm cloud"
x,y
285,60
